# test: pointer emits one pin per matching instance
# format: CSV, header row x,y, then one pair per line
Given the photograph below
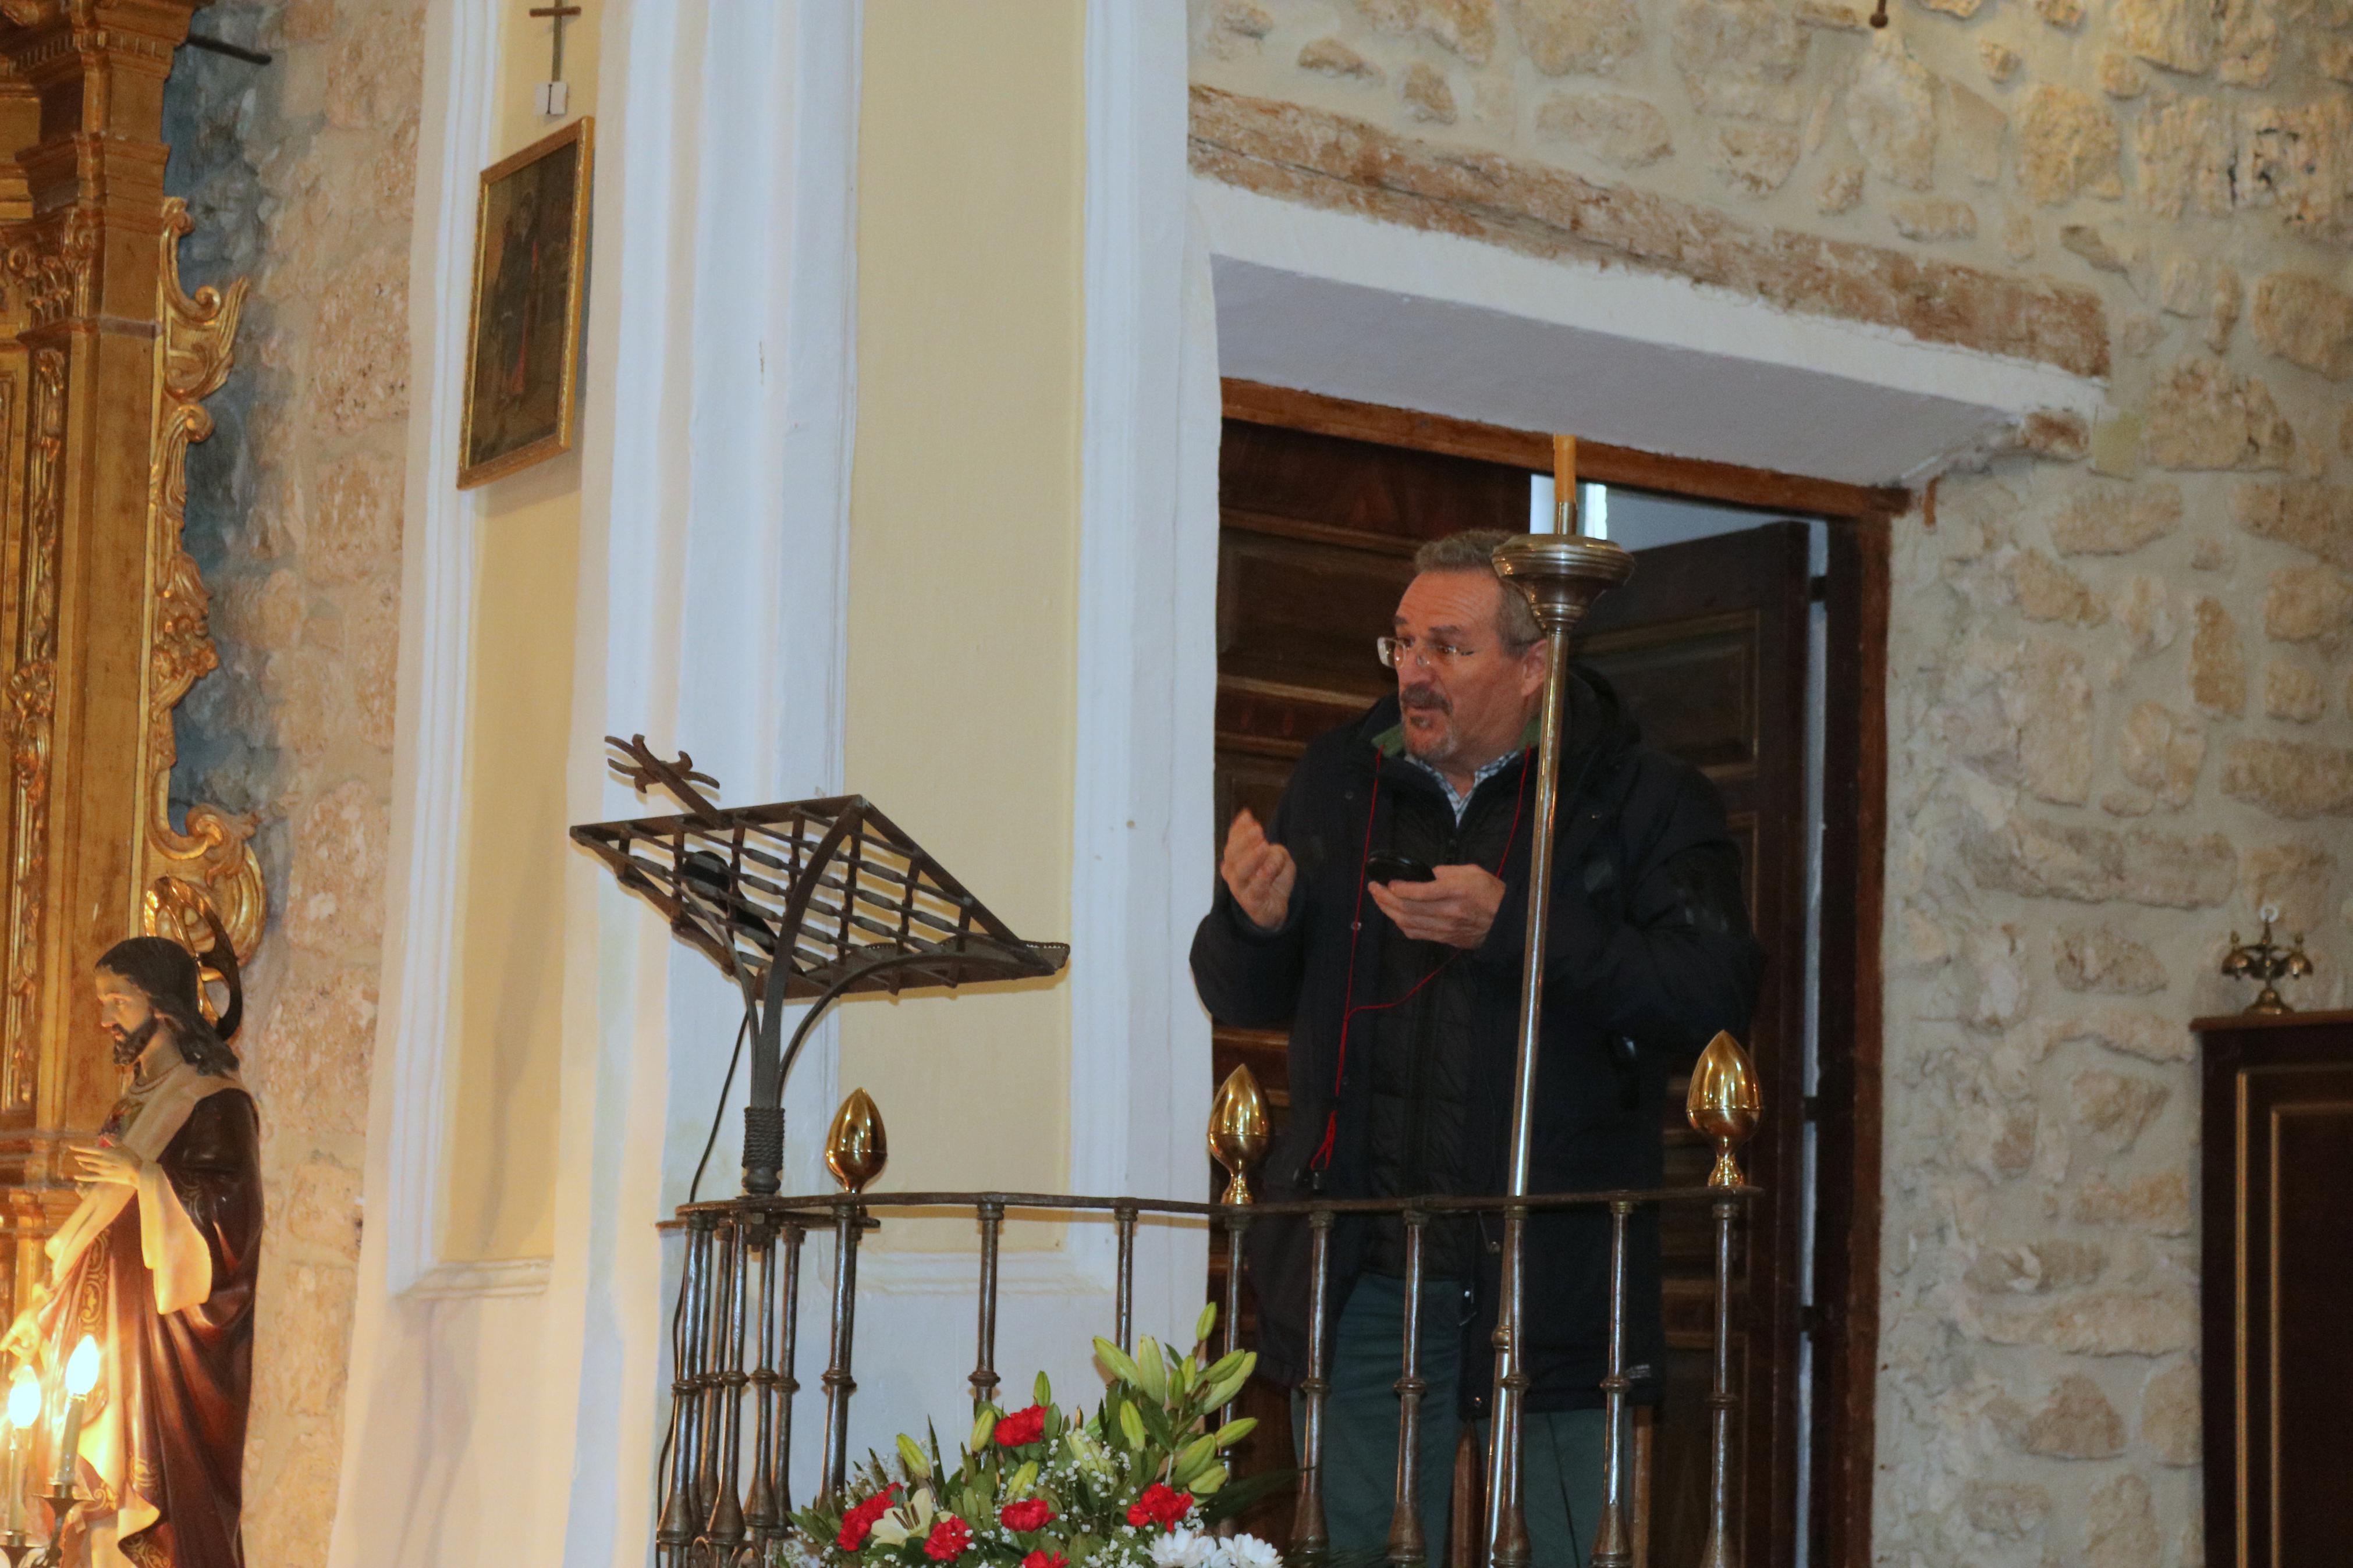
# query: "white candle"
x,y
82,1377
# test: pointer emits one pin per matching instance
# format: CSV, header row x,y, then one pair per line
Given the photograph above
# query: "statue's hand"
x,y
108,1163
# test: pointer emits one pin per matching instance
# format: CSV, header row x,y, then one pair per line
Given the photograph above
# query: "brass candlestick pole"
x,y
1562,574
1724,1107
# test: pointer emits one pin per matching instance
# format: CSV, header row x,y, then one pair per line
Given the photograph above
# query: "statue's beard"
x,y
130,1046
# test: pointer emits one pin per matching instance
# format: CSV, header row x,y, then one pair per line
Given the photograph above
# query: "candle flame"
x,y
82,1368
24,1398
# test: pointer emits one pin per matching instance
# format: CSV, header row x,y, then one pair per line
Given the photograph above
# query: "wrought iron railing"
x,y
724,1482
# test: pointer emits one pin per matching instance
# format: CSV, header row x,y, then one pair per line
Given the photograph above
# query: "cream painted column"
x,y
711,495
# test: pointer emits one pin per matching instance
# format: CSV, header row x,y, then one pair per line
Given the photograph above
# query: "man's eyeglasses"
x,y
1394,651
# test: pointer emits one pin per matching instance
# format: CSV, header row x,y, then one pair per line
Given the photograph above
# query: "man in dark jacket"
x,y
1402,1000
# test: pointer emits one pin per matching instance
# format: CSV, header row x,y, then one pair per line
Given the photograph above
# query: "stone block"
x,y
335,902
2144,608
1999,60
1933,219
2305,320
2157,1203
2046,591
2150,1037
1616,127
1330,56
1427,97
1754,160
2187,160
2305,603
2177,35
2218,665
2294,876
2162,751
2315,518
376,80
2201,415
2041,860
2143,1320
1466,27
1840,188
2223,314
2077,1422
1589,37
2059,433
2246,43
2120,1526
2007,1510
2068,145
2293,693
2169,1415
323,1209
1248,19
309,1066
2120,79
1976,129
303,1338
2115,1107
2064,14
2335,57
360,359
1890,114
2290,778
2037,1267
353,527
2293,158
2020,712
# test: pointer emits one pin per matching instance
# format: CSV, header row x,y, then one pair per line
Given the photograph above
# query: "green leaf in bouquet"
x,y
1042,1392
1117,1362
1206,1322
1233,1432
1237,1498
910,1454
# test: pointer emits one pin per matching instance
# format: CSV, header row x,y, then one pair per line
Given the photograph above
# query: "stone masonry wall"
x,y
2120,707
301,176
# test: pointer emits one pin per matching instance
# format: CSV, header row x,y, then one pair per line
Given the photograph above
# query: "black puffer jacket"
x,y
1650,954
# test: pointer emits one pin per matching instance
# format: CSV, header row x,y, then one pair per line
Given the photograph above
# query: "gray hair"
x,y
1473,550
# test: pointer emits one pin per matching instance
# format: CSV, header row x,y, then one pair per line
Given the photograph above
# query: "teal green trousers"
x,y
1561,1486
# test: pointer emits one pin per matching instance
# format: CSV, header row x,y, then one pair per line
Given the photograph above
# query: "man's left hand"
x,y
1456,907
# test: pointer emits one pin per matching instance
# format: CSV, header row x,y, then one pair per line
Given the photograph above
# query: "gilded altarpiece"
x,y
105,362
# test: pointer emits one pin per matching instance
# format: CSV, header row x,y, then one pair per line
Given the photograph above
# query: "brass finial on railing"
x,y
1238,1131
1724,1105
856,1147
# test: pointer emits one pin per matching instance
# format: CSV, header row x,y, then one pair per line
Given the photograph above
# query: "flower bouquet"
x,y
1136,1485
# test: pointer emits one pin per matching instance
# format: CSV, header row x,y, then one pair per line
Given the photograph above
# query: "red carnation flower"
x,y
1030,1513
1021,1426
948,1539
1045,1560
858,1522
1159,1506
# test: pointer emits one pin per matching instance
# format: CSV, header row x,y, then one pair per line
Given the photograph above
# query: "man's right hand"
x,y
1259,874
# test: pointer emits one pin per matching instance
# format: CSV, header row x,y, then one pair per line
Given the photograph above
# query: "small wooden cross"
x,y
553,94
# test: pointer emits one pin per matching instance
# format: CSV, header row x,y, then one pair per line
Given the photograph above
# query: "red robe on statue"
x,y
162,1274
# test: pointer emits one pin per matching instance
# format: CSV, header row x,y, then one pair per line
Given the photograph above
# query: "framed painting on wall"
x,y
531,265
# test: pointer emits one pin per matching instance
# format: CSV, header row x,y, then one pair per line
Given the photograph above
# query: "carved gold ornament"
x,y
215,850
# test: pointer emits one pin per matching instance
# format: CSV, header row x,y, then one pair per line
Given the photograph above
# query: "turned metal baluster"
x,y
1507,1520
725,1528
698,1491
680,1517
839,1384
761,1516
984,1372
1124,1220
780,1463
1612,1545
1406,1544
1235,1226
1722,1550
1307,1532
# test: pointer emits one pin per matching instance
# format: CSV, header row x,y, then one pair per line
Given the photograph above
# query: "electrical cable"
x,y
743,1033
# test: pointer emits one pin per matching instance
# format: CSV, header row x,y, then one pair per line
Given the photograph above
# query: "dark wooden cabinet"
x,y
2278,1284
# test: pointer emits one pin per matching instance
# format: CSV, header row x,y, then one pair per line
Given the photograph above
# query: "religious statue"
x,y
157,1265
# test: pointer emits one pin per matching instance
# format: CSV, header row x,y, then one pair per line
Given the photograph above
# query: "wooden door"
x,y
1708,646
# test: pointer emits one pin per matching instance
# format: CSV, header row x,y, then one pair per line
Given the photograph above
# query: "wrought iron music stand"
x,y
801,901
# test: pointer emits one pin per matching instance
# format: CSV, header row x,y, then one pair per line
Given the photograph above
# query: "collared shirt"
x,y
1390,743
1460,799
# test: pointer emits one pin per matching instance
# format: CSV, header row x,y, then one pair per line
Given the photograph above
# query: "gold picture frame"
x,y
522,331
